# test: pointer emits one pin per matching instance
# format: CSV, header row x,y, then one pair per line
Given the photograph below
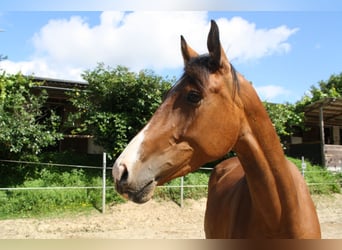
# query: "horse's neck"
x,y
267,171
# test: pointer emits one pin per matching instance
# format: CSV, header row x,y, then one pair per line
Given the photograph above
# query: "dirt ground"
x,y
153,220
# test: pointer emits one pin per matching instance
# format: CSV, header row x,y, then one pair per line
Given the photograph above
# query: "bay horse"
x,y
210,111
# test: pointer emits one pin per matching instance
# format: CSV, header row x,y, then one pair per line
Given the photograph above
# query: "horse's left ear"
x,y
217,55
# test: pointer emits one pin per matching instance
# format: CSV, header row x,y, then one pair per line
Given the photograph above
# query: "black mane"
x,y
200,67
197,71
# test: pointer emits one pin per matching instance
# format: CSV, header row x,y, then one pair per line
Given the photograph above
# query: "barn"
x,y
321,140
58,100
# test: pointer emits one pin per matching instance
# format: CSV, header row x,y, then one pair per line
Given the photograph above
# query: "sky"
x,y
283,48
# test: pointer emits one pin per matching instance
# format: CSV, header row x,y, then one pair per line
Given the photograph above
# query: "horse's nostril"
x,y
121,173
124,175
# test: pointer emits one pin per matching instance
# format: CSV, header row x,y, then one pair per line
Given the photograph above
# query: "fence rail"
x,y
51,164
104,168
46,188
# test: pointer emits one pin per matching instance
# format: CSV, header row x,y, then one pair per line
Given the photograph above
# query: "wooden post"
x,y
182,191
104,163
321,126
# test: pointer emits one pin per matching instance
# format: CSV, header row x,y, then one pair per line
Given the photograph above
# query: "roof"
x,y
59,83
57,88
332,111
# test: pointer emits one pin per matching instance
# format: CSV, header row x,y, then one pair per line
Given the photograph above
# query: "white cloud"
x,y
271,92
41,67
140,40
37,66
245,42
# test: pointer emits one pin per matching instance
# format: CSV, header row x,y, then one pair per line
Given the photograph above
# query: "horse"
x,y
211,110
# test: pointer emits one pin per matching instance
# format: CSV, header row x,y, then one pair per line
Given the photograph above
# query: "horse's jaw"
x,y
142,195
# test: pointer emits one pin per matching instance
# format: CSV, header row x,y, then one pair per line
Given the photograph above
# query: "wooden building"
x,y
58,101
321,140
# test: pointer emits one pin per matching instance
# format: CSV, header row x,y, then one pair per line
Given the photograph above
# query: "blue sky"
x,y
282,48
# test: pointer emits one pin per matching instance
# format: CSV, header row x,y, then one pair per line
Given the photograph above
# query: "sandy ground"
x,y
153,220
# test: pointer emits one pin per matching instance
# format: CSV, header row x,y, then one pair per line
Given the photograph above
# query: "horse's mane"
x,y
198,69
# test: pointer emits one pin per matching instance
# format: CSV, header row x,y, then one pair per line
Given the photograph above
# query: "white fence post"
x,y
182,191
303,166
104,163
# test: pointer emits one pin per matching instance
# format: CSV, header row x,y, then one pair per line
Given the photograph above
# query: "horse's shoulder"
x,y
227,173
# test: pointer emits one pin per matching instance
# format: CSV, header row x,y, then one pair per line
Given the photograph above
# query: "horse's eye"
x,y
194,97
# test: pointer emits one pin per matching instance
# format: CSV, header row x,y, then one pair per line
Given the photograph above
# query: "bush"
x,y
116,104
26,126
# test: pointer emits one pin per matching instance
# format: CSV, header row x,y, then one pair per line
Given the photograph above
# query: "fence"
x,y
104,168
103,187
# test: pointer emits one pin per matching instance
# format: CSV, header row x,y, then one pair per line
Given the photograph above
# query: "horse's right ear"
x,y
187,51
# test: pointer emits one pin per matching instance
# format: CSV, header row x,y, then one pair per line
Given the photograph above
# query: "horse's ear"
x,y
187,51
217,55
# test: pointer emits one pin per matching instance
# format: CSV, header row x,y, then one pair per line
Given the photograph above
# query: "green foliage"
x,y
284,117
330,88
333,84
25,128
116,104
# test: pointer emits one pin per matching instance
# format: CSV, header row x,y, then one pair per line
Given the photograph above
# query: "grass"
x,y
171,190
43,203
49,202
32,203
319,180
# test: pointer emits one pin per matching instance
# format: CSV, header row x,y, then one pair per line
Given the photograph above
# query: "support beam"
x,y
321,126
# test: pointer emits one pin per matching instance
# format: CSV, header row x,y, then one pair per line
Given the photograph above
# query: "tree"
x,y
330,88
23,131
284,117
287,118
333,86
116,104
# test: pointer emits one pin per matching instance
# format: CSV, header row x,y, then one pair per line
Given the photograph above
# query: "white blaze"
x,y
131,154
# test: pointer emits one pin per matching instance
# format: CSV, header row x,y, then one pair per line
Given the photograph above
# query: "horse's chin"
x,y
143,195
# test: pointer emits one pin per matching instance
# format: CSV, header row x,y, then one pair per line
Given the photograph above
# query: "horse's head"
x,y
197,122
